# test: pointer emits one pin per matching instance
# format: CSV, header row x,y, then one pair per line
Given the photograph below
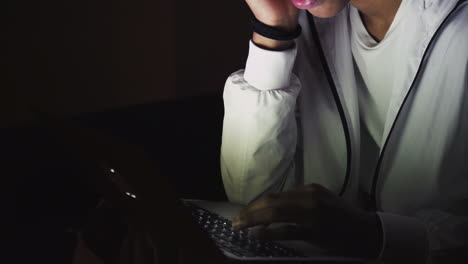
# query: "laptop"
x,y
213,218
125,174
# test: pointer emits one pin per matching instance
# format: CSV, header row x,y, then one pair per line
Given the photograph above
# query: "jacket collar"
x,y
335,37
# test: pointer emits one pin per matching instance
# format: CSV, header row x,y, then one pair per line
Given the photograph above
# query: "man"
x,y
356,131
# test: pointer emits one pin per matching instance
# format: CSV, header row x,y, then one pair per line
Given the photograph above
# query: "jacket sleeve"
x,y
428,236
259,129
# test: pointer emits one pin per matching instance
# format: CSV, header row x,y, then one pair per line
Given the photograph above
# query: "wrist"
x,y
271,44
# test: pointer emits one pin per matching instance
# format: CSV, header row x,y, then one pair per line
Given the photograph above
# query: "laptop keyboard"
x,y
237,242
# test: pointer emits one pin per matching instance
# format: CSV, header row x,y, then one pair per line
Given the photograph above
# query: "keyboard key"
x,y
236,242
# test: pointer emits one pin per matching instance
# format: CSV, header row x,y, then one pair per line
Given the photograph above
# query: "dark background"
x,y
75,56
147,72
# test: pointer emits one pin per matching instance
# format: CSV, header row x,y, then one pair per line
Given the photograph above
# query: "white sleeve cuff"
x,y
268,70
404,239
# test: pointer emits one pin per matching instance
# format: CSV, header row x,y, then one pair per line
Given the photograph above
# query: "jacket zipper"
x,y
373,201
337,102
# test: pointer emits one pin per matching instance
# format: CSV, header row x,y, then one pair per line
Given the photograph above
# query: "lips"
x,y
304,4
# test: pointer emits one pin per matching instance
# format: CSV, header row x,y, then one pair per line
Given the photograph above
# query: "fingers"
x,y
296,198
284,232
270,200
266,216
294,206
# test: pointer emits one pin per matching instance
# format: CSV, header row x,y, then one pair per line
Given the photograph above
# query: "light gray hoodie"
x,y
292,117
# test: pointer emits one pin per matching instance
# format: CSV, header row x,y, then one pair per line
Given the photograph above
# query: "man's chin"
x,y
327,8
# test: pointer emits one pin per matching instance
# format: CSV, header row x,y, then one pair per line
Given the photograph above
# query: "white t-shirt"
x,y
377,67
376,63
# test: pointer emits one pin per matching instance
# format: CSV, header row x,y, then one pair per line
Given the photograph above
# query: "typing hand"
x,y
316,215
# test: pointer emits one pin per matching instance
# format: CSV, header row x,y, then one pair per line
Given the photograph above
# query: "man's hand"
x,y
317,215
276,13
